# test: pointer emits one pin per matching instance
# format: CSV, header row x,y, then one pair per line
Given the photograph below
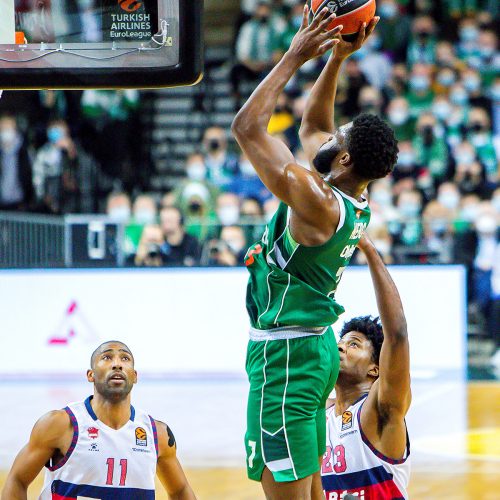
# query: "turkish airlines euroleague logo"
x,y
129,5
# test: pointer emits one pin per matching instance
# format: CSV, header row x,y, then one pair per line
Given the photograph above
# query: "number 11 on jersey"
x,y
111,469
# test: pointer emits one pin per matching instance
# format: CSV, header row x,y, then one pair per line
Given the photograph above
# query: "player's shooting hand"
x,y
314,39
344,49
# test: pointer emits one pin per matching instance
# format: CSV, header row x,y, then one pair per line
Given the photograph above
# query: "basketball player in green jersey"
x,y
292,358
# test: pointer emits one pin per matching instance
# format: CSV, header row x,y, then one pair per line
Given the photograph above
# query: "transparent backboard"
x,y
99,43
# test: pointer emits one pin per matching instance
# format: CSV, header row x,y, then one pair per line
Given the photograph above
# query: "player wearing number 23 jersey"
x,y
101,448
367,445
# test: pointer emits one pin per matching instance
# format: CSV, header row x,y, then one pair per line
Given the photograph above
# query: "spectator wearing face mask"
x,y
355,80
293,22
251,216
409,230
444,80
179,247
143,212
479,135
394,29
118,207
430,146
471,179
448,196
228,209
248,184
374,64
467,212
406,165
254,48
229,249
468,33
489,55
420,94
438,232
398,114
422,47
56,171
441,108
471,81
16,185
370,100
221,164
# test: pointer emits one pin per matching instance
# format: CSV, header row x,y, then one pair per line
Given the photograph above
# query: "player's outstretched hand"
x,y
314,39
344,49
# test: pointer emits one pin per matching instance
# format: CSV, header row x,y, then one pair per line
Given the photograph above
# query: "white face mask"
x,y
120,214
469,213
486,224
228,215
449,200
7,136
144,216
196,171
247,169
235,246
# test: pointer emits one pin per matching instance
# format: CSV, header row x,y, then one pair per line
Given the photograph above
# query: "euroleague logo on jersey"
x,y
346,420
141,438
129,5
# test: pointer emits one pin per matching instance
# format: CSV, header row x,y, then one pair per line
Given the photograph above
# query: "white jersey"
x,y
351,465
104,463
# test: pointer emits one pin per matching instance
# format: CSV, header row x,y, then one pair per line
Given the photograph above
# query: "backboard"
x,y
100,43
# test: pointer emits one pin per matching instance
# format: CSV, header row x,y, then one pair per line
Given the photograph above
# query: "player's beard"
x,y
114,394
324,157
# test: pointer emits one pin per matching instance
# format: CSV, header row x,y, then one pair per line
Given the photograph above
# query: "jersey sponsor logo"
x,y
358,213
359,229
250,259
346,420
93,432
141,438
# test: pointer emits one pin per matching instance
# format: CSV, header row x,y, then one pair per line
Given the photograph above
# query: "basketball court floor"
x,y
454,431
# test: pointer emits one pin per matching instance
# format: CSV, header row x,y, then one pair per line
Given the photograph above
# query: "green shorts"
x,y
290,381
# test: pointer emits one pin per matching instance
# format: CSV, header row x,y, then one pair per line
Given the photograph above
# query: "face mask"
x,y
479,140
398,116
55,134
228,215
449,200
469,34
427,134
406,159
8,136
486,52
247,169
441,110
374,42
495,93
214,144
195,207
471,84
383,198
263,19
234,245
469,213
486,224
120,214
464,158
459,97
196,171
446,79
388,10
419,83
409,209
144,216
496,203
297,22
382,246
438,226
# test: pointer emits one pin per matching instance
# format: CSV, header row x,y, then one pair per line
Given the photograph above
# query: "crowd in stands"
x,y
431,68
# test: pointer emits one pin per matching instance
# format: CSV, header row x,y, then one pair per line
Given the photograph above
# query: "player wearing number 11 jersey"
x,y
292,359
101,448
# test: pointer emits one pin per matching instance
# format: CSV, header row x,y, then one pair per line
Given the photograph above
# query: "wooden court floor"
x,y
474,475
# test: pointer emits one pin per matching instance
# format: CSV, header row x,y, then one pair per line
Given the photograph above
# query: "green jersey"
x,y
294,285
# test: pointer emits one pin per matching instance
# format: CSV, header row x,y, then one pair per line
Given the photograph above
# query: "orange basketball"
x,y
350,13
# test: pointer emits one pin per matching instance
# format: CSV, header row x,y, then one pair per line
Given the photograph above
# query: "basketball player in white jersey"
x,y
367,446
102,448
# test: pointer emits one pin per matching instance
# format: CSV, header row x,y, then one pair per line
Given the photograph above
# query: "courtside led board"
x,y
100,43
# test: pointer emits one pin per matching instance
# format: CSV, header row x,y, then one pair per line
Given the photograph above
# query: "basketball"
x,y
350,13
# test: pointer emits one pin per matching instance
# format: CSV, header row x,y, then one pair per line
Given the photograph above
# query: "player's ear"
x,y
90,375
135,377
373,370
345,159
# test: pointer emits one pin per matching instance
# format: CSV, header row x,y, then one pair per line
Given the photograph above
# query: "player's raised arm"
x,y
393,394
271,158
317,122
45,440
169,469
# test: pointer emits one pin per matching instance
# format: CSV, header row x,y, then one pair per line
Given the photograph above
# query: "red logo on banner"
x,y
129,5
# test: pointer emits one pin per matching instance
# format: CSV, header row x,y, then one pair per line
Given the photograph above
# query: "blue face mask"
x,y
388,10
469,34
459,98
55,134
471,84
406,159
419,83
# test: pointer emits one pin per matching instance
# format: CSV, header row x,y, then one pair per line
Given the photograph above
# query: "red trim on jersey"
x,y
155,433
55,496
379,491
72,446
